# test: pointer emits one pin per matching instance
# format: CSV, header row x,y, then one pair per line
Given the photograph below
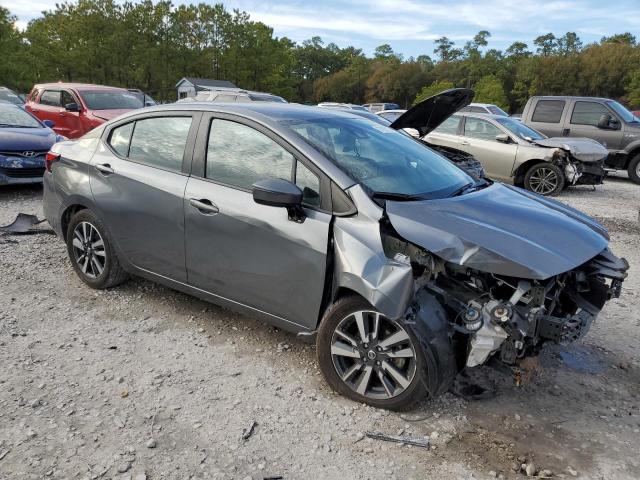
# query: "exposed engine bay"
x,y
506,316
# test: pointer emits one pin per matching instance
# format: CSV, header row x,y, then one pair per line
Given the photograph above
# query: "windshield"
x,y
625,114
106,100
381,159
10,97
497,110
519,129
11,116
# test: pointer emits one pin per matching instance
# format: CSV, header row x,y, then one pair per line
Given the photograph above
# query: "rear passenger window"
x,y
450,126
119,139
548,111
51,98
160,142
477,128
588,113
239,155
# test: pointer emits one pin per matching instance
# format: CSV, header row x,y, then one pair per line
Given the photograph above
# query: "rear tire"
x,y
545,179
381,371
634,169
91,253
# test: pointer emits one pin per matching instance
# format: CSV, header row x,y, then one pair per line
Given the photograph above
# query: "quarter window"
x,y
51,98
450,126
588,113
160,142
120,138
477,128
309,183
67,98
548,111
239,155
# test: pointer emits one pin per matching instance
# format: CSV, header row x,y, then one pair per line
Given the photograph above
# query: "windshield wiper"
x,y
467,188
401,197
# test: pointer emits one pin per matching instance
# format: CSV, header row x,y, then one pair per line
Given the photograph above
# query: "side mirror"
x,y
49,123
413,132
276,192
503,138
72,107
605,121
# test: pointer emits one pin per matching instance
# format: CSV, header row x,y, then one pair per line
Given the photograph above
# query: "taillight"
x,y
49,158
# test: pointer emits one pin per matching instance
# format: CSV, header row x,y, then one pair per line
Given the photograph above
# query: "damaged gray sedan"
x,y
404,268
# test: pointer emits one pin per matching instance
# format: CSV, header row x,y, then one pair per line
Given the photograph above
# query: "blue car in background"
x,y
24,142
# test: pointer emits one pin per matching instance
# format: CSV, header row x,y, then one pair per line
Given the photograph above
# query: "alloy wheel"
x,y
544,181
373,355
88,250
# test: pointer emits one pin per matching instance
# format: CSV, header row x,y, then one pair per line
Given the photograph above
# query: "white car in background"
x,y
391,115
488,108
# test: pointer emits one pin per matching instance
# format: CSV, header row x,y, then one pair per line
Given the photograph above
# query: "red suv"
x,y
76,108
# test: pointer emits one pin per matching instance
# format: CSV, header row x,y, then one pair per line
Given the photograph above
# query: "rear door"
x,y
479,140
249,253
447,134
583,122
548,116
139,175
48,106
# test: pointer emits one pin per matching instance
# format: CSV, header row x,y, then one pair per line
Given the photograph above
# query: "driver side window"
x,y
480,129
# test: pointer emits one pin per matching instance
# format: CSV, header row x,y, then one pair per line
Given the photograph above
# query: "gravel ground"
x,y
144,382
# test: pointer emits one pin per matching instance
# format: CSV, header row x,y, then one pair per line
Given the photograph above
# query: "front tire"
x,y
545,179
634,169
91,253
369,358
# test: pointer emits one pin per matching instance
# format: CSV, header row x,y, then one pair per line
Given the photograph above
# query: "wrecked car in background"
x,y
404,268
511,152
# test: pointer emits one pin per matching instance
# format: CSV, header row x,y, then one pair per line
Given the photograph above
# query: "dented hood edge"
x,y
582,149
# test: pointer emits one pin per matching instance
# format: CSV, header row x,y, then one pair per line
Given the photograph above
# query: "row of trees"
x,y
150,45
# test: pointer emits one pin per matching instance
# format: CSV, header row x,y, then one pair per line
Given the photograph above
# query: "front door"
x,y
584,119
496,157
249,253
138,187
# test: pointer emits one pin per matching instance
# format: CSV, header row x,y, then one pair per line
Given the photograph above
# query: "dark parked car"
x,y
77,108
601,119
403,267
24,142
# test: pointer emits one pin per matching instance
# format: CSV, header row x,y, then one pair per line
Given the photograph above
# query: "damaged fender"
x,y
362,266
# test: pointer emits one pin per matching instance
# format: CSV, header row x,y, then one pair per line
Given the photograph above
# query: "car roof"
x,y
567,97
476,104
78,86
395,110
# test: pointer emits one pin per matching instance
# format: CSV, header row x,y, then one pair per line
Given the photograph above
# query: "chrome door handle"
x,y
104,168
204,206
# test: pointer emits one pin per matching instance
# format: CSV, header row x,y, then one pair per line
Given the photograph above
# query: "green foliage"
x,y
633,89
489,90
151,44
431,90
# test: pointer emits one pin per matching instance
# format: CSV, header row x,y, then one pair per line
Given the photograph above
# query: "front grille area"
x,y
23,153
22,172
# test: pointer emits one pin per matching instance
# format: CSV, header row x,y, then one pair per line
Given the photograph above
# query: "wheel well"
x,y
521,171
69,212
631,155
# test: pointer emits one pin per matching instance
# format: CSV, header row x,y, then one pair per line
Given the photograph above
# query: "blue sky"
x,y
410,26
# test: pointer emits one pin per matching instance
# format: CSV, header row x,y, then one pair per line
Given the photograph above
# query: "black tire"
x,y
545,179
341,310
634,169
112,273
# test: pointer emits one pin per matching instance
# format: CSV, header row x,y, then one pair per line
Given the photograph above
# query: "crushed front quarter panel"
x,y
361,264
501,230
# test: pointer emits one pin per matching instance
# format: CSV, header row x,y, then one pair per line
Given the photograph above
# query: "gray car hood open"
x,y
582,149
501,229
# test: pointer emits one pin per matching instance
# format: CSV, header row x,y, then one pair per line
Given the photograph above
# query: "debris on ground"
x,y
25,224
418,442
247,432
